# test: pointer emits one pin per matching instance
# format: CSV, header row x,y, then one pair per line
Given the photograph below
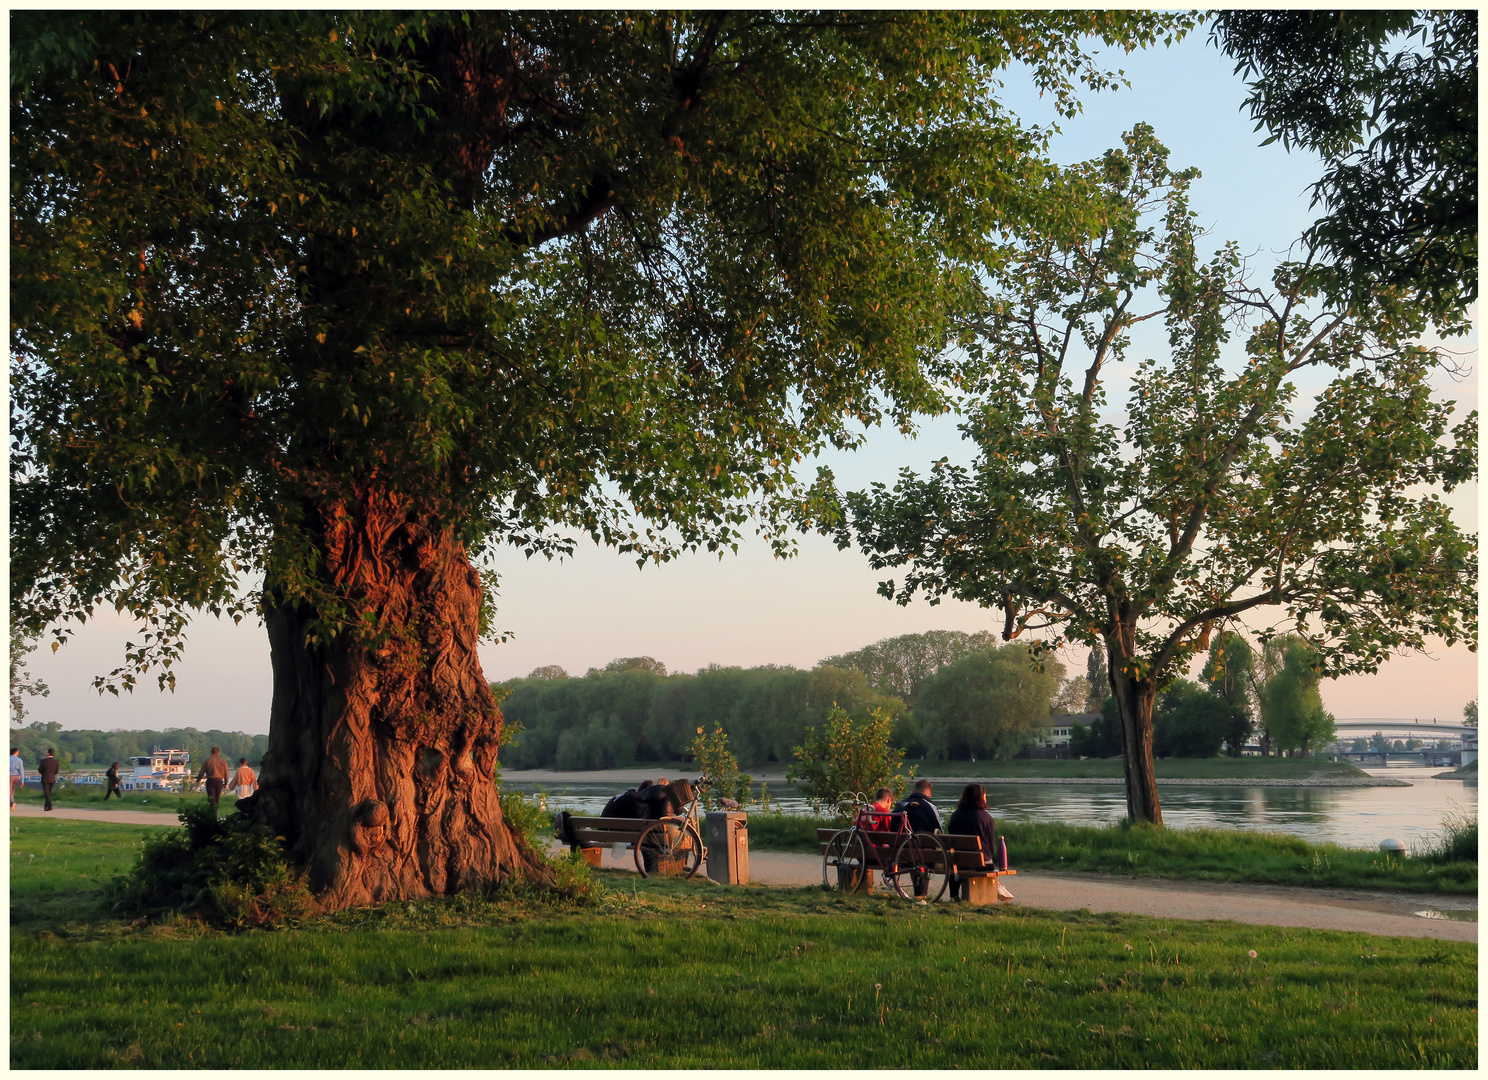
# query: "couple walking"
x,y
215,769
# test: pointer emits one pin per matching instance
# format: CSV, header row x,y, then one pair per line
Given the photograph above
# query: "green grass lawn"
x,y
58,868
694,975
1200,854
1219,768
90,796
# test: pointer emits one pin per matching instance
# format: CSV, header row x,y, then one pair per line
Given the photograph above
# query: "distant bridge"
x,y
1406,728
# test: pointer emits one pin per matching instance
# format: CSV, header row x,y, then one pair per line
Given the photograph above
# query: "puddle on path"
x,y
1452,914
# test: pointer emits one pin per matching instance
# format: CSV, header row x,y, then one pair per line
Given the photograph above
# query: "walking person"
x,y
214,769
243,780
111,783
17,773
49,768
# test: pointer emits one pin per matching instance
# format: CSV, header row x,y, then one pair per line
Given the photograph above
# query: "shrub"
x,y
573,880
719,765
227,872
848,757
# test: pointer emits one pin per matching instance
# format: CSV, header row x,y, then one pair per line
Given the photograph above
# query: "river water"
x,y
1353,817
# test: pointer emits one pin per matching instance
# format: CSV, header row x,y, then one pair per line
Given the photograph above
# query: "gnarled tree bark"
x,y
381,760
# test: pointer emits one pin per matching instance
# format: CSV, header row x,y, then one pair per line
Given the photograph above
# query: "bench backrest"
x,y
601,831
964,852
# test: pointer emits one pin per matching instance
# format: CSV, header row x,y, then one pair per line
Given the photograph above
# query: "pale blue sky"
x,y
752,609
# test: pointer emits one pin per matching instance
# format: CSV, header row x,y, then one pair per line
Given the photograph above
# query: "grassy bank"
x,y
1199,854
658,974
58,868
90,796
1220,768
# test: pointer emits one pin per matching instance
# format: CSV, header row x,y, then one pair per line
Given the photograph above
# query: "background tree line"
x,y
99,748
948,693
1271,694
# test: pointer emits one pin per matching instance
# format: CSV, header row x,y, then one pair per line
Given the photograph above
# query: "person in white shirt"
x,y
244,780
17,773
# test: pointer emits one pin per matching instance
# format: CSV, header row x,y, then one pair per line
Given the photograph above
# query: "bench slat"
x,y
596,838
603,831
614,824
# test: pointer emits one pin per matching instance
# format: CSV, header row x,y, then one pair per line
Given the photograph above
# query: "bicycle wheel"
x,y
845,865
920,868
669,848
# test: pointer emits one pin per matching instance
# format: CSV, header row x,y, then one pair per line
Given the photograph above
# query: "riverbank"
x,y
1464,772
1173,772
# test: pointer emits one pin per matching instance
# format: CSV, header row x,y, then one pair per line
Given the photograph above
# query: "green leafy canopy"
x,y
540,273
1217,492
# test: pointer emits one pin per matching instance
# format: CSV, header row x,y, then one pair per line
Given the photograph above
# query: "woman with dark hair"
x,y
970,818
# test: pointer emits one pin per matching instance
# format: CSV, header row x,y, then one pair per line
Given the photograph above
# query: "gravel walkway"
x,y
123,817
1391,914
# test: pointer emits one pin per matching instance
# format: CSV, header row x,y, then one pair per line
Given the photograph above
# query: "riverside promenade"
x,y
1391,914
1368,912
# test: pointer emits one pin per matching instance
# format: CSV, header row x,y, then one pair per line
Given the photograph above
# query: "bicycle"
x,y
674,844
881,840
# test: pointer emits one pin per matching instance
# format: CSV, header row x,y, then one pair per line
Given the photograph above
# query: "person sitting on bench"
x,y
923,818
877,814
970,818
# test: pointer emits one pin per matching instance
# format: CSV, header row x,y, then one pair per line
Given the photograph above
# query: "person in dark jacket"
x,y
49,767
923,817
627,805
970,818
111,782
662,799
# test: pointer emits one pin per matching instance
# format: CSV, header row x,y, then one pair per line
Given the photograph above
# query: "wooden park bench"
x,y
979,886
673,848
967,861
591,835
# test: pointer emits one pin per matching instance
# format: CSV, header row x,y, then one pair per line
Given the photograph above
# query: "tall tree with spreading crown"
x,y
309,310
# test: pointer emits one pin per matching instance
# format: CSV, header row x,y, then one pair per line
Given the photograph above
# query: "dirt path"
x,y
1391,914
1266,905
122,817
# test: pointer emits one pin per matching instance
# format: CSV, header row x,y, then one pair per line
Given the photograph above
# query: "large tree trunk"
x,y
381,760
1135,699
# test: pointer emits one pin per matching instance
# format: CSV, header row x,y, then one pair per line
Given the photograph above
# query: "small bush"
x,y
227,872
719,765
573,880
848,758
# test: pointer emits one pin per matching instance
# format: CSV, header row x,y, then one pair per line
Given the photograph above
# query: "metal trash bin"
x,y
728,846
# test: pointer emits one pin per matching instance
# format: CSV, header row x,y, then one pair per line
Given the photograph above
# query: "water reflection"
x,y
1356,817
